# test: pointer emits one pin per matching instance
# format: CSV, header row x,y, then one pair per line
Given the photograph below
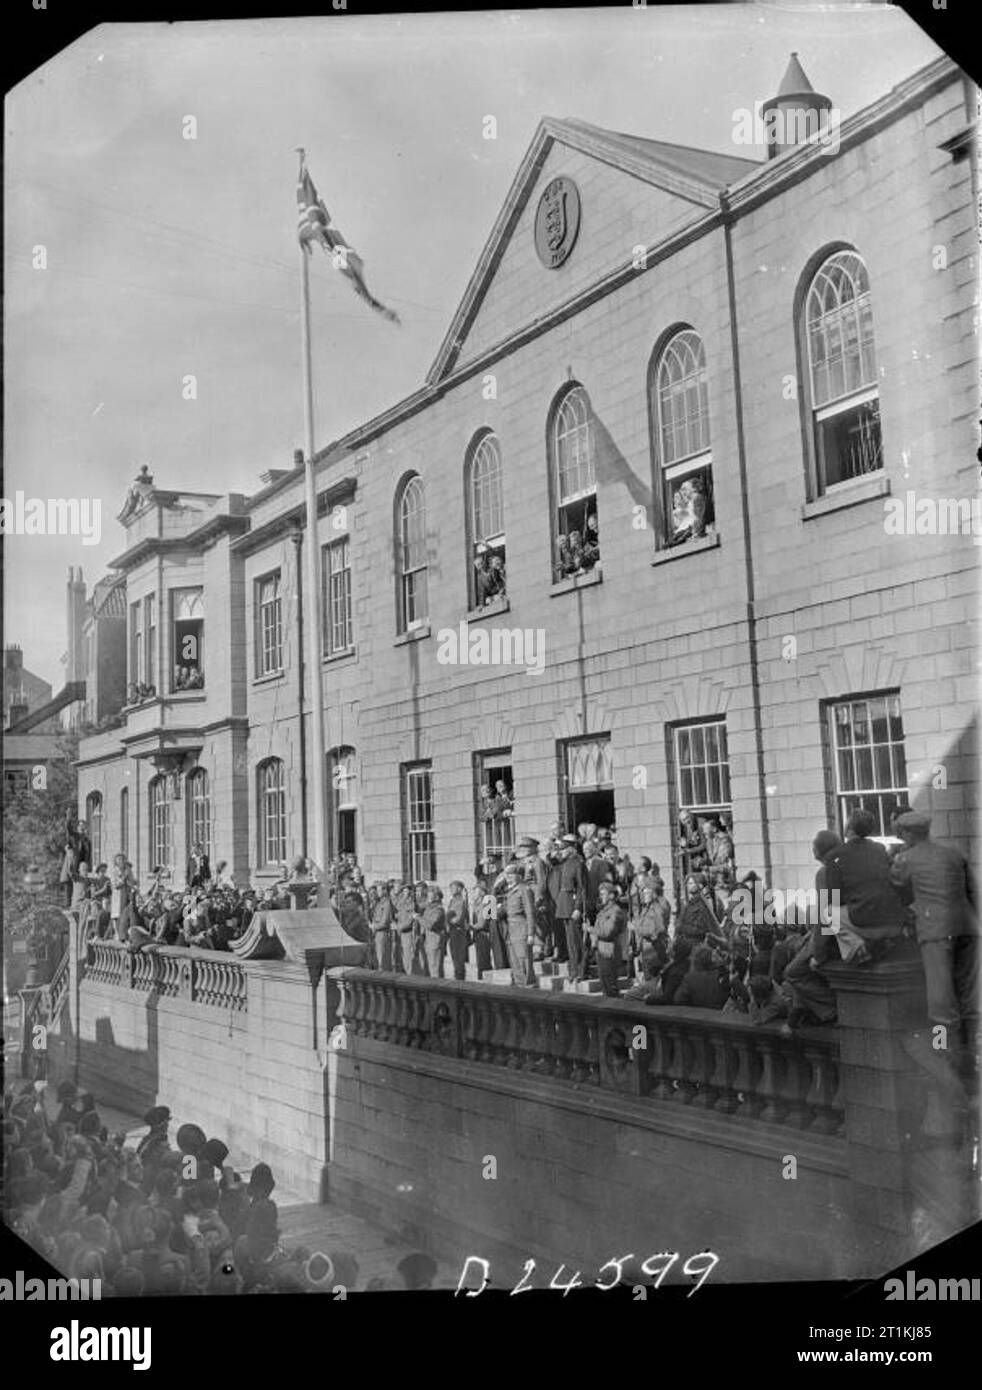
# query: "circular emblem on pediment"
x,y
557,222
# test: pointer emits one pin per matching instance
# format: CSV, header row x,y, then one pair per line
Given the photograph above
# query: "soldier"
x,y
537,878
609,927
433,926
650,924
405,926
458,927
570,903
383,917
938,880
520,918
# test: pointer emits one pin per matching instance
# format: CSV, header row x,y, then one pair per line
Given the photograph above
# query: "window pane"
x,y
864,768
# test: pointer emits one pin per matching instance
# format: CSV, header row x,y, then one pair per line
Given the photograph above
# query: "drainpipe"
x,y
297,537
728,220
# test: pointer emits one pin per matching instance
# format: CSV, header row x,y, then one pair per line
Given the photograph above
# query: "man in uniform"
x,y
537,878
570,902
520,919
609,928
937,879
434,929
650,924
458,929
405,925
383,917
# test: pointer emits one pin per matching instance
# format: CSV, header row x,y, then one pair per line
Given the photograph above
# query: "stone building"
x,y
744,385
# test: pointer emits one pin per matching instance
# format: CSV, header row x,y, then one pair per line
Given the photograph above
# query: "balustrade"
x,y
686,1057
210,978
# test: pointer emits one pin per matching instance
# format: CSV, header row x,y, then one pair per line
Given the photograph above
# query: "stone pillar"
x,y
909,1165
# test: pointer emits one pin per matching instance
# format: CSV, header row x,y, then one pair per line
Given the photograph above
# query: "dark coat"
x,y
702,989
572,892
860,871
937,879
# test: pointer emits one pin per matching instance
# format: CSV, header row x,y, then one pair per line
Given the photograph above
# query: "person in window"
x,y
502,804
199,870
575,553
490,578
591,542
195,679
690,842
564,560
178,678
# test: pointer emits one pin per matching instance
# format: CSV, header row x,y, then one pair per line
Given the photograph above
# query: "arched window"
x,y
412,560
271,809
160,825
842,371
574,485
485,521
199,810
93,820
680,414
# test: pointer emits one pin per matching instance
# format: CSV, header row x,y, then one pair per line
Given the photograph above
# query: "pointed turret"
x,y
796,113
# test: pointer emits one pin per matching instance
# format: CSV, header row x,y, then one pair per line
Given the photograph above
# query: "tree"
x,y
34,834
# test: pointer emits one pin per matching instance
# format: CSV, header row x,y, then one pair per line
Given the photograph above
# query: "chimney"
x,y
796,113
13,660
17,710
298,458
75,660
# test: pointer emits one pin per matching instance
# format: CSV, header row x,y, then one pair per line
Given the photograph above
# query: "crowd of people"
x,y
577,900
157,1217
576,552
188,678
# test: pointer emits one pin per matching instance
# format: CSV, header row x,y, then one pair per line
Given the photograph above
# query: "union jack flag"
x,y
314,224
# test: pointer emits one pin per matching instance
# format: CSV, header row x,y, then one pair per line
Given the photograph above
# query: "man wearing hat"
x,y
434,928
154,1145
520,919
859,871
405,928
383,917
609,928
537,878
937,879
570,903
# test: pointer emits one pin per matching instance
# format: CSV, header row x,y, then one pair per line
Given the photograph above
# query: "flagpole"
x,y
318,851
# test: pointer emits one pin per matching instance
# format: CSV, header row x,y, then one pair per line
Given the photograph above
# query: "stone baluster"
x,y
768,1087
820,1100
701,1073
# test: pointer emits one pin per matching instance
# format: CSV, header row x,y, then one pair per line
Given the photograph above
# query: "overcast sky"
x,y
169,256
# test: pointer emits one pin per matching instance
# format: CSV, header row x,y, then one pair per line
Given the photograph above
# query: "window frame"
x,y
483,540
563,502
667,473
195,800
816,416
266,651
124,821
94,825
160,838
412,833
330,572
490,844
265,794
863,796
408,580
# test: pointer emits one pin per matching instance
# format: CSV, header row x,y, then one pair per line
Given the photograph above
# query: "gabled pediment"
x,y
582,198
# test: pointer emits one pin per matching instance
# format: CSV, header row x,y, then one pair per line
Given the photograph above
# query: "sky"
x,y
169,257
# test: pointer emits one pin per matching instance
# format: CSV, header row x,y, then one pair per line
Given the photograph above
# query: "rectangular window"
x,y
868,760
587,782
160,830
419,850
150,633
848,440
269,625
336,577
272,814
188,634
124,821
703,839
494,804
136,643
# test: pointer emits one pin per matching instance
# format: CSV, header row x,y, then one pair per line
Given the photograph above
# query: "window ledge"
x,y
415,634
187,696
847,495
490,610
692,547
346,655
270,678
578,581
